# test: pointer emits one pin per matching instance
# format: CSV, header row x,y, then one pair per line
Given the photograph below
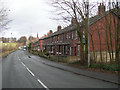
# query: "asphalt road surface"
x,y
20,71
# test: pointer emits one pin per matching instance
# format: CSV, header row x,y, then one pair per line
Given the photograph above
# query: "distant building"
x,y
65,42
8,40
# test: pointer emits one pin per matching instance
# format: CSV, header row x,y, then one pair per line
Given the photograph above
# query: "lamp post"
x,y
88,34
11,39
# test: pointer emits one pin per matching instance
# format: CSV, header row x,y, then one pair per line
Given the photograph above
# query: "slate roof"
x,y
73,27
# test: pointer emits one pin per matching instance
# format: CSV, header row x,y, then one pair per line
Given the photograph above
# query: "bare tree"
x,y
78,10
22,40
3,17
116,10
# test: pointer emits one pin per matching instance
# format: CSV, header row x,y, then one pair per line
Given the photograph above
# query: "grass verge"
x,y
5,54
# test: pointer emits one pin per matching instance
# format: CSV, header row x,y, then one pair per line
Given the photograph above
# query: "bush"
x,y
40,53
110,67
46,53
95,66
113,67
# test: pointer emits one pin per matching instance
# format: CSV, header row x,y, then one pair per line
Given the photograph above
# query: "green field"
x,y
7,48
7,45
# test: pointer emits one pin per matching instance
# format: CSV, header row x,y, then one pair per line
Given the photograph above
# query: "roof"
x,y
73,27
69,28
117,13
65,43
97,17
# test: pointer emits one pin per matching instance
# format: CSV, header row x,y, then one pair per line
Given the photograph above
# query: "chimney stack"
x,y
101,9
59,28
73,21
50,31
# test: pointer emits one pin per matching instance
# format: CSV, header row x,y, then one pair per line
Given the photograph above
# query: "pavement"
x,y
96,75
0,73
21,71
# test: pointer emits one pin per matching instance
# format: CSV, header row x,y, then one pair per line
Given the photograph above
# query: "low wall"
x,y
58,58
105,56
65,59
73,58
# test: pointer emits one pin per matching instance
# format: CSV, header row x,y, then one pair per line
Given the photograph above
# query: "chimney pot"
x,y
101,9
59,28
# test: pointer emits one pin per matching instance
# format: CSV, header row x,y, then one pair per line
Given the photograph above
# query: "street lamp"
x,y
88,34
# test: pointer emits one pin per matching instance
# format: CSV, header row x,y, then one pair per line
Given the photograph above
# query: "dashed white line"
x,y
34,75
18,58
42,84
23,64
30,71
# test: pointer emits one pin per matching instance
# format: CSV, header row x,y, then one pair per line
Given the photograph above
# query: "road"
x,y
20,71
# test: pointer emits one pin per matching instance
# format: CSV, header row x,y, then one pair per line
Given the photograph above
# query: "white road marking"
x,y
34,75
30,72
42,84
23,64
18,58
28,69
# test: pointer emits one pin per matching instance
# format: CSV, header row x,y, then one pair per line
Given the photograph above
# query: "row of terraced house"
x,y
65,42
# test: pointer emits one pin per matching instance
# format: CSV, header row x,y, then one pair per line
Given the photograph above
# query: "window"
x,y
84,47
67,35
72,35
57,38
83,37
60,37
78,50
70,50
63,36
76,35
52,39
66,50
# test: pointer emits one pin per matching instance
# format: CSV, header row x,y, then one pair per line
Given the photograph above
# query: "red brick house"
x,y
65,41
100,25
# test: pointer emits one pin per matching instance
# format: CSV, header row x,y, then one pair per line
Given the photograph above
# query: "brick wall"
x,y
100,26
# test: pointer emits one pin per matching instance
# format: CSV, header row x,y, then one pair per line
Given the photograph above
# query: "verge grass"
x,y
6,48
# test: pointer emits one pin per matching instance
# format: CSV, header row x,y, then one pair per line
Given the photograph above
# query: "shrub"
x,y
95,66
110,67
46,53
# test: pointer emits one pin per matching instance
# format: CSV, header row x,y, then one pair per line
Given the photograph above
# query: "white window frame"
x,y
78,48
76,36
72,35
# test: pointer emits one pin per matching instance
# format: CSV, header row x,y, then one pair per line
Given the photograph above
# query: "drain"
x,y
29,56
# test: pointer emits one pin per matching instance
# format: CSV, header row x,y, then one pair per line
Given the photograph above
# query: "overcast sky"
x,y
29,18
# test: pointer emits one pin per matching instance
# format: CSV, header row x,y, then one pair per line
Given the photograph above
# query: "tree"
x,y
4,40
4,21
50,31
22,40
116,10
79,11
31,38
110,25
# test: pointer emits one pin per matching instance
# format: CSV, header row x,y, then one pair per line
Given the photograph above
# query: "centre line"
x,y
30,71
23,64
34,75
42,84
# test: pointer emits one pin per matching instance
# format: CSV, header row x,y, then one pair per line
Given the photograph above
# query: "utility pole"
x,y
88,34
